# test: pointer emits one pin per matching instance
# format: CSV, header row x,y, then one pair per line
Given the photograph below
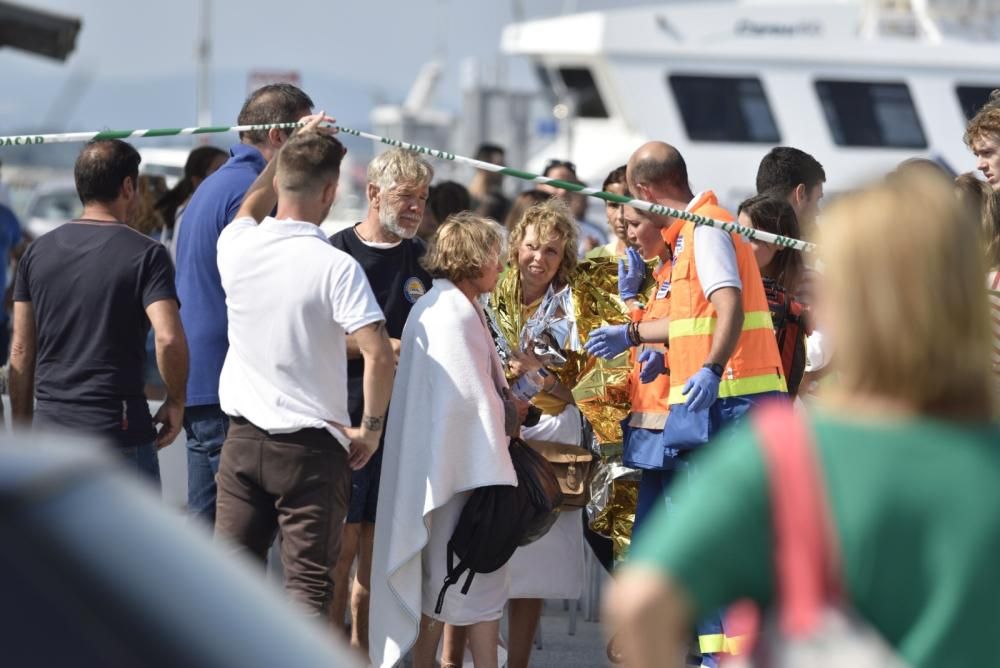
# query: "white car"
x,y
165,162
51,204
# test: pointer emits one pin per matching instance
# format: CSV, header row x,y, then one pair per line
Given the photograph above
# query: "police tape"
x,y
70,137
656,209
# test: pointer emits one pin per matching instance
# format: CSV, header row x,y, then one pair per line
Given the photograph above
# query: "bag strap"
x,y
806,562
452,577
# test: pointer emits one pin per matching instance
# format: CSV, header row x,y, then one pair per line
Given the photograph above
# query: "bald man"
x,y
723,357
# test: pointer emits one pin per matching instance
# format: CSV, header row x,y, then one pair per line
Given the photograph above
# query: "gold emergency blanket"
x,y
613,500
556,334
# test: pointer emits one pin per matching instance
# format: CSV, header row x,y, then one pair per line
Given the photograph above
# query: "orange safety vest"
x,y
755,366
649,401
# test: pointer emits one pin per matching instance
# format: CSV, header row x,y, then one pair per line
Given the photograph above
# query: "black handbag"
x,y
497,519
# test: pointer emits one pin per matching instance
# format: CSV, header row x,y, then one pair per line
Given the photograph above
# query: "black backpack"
x,y
497,519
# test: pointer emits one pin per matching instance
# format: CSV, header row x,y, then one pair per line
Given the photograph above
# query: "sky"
x,y
135,61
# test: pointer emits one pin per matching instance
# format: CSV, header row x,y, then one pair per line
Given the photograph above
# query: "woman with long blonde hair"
x,y
903,444
542,257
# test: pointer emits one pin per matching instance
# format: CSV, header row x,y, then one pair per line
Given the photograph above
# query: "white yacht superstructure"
x,y
861,85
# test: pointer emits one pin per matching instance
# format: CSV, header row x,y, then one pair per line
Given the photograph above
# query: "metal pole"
x,y
204,89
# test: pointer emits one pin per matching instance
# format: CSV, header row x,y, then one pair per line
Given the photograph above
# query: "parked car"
x,y
50,205
165,162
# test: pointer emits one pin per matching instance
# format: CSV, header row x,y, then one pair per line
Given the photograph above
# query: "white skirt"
x,y
552,566
487,596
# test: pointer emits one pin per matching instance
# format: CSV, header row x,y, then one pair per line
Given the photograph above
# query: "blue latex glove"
x,y
630,278
653,364
703,387
608,341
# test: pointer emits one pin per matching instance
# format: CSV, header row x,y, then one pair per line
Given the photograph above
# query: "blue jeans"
x,y
206,428
686,431
652,486
144,459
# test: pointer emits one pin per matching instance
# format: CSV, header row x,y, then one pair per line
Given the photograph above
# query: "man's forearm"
x,y
172,361
655,331
728,325
21,384
377,383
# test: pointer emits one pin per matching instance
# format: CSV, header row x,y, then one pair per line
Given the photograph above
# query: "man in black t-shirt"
x,y
385,246
85,295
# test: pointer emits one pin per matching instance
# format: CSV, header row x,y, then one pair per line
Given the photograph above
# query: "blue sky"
x,y
134,65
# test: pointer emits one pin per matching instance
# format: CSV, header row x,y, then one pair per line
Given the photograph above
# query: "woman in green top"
x,y
910,463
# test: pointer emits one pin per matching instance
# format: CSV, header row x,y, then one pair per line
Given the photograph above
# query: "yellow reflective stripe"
x,y
718,643
712,643
737,387
757,320
705,326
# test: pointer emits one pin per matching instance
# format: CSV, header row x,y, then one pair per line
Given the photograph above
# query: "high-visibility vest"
x,y
755,366
649,400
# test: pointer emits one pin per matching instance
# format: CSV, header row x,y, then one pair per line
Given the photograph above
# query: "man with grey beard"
x,y
385,245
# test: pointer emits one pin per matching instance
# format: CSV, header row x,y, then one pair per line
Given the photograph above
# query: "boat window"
x,y
724,109
580,82
972,98
862,113
545,81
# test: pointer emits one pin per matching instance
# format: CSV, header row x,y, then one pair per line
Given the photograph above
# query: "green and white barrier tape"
x,y
69,137
657,209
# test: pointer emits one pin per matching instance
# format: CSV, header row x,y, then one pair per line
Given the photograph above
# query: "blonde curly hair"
x,y
552,220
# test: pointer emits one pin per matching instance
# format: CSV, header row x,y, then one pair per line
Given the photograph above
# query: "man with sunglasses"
x,y
486,188
591,235
563,170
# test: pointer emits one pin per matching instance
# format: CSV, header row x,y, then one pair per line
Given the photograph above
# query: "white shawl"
x,y
445,435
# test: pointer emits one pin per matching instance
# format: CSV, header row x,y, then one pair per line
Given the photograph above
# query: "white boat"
x,y
861,85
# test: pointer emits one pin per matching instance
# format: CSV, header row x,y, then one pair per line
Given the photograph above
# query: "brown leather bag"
x,y
573,467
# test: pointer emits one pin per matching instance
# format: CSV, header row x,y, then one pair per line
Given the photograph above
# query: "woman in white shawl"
x,y
542,256
447,434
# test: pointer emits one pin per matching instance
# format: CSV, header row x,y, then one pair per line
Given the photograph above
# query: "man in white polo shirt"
x,y
292,299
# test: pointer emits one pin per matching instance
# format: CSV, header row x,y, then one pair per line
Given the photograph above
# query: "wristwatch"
x,y
714,368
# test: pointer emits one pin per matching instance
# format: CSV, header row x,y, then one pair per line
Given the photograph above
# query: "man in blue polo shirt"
x,y
212,207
